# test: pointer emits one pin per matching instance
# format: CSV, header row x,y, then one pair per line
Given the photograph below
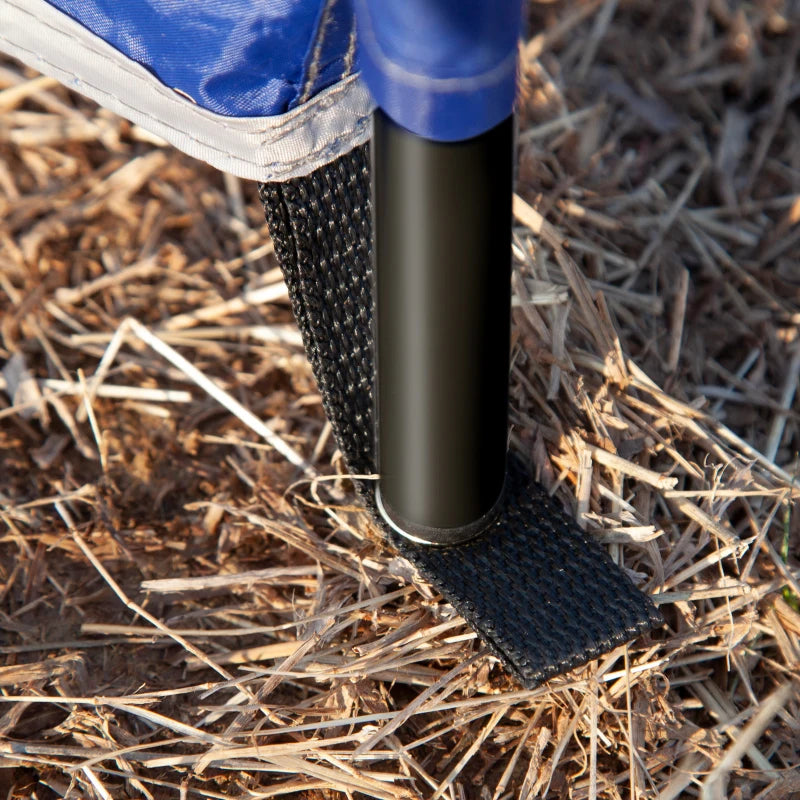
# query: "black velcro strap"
x,y
537,590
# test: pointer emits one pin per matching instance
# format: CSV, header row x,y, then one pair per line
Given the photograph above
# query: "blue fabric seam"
x,y
329,100
238,65
323,103
314,52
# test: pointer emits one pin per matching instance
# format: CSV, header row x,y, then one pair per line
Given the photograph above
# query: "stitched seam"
x,y
123,67
283,129
349,56
281,166
313,69
294,123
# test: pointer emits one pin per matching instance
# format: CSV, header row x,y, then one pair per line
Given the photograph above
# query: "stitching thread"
x,y
349,56
313,69
282,130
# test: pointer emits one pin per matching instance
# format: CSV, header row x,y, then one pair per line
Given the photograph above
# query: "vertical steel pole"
x,y
442,245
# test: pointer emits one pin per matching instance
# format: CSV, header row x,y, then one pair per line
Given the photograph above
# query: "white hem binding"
x,y
258,148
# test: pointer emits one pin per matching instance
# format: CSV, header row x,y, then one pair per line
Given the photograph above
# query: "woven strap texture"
x,y
536,589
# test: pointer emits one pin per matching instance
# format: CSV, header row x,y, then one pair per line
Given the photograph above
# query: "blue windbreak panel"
x,y
233,57
445,69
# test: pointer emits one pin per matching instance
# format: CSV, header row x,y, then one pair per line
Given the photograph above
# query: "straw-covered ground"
x,y
185,613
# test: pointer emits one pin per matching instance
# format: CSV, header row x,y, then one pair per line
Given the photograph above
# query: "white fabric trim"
x,y
258,148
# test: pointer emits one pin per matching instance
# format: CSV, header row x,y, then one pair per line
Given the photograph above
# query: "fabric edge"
x,y
257,148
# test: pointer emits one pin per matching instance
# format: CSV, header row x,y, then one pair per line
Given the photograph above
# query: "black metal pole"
x,y
442,258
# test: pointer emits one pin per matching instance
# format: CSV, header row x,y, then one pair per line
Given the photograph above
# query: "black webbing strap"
x,y
542,595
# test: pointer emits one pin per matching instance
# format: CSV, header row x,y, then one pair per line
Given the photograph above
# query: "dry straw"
x,y
191,605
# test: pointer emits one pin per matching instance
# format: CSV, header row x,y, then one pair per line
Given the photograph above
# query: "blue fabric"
x,y
233,57
445,69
